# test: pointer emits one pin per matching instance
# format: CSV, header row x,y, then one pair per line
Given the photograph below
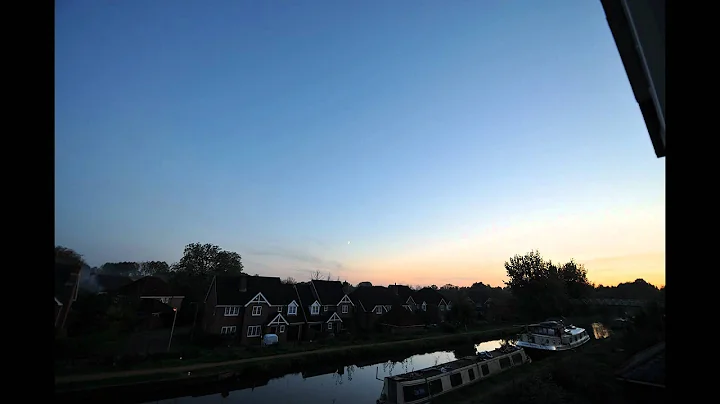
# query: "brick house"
x,y
335,305
67,284
247,307
432,302
371,302
406,296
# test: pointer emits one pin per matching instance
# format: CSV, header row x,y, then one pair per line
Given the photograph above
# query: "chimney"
x,y
243,283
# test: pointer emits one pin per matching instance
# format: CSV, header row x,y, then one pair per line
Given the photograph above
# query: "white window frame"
x,y
292,310
280,309
314,309
258,312
378,309
282,328
252,328
232,311
325,308
344,309
424,306
228,330
165,300
329,327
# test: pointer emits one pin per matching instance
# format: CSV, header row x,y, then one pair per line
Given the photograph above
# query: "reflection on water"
x,y
600,331
348,384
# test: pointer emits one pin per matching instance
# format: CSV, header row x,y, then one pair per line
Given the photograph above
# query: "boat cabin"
x,y
421,386
554,333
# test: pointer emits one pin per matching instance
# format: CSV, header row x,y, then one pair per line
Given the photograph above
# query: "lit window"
x,y
257,310
282,329
232,311
344,309
228,330
253,331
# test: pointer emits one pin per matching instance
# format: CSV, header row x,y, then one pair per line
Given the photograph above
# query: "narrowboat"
x,y
421,386
552,336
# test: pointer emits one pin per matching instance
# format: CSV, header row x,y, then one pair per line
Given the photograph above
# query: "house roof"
x,y
65,273
371,296
328,292
229,293
428,295
307,297
148,286
403,291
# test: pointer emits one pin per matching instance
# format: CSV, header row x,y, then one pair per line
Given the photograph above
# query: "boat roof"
x,y
456,364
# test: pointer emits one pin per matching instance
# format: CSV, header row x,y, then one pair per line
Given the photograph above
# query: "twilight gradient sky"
x,y
439,137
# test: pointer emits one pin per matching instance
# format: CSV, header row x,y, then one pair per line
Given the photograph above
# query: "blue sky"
x,y
439,138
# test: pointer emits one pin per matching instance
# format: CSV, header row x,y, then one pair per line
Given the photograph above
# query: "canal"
x,y
351,384
357,383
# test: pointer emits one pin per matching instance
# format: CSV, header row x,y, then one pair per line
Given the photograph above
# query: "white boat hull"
x,y
550,347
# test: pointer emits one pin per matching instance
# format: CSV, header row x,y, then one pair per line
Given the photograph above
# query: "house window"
x,y
292,310
344,309
165,300
232,311
424,307
315,309
442,308
279,309
282,329
253,331
228,330
325,308
330,326
378,310
257,310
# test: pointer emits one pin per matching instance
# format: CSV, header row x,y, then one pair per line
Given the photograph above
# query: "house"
x,y
152,287
405,294
67,279
371,302
432,302
247,307
400,320
324,305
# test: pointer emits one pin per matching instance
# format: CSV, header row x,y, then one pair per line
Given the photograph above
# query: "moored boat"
x,y
552,336
421,386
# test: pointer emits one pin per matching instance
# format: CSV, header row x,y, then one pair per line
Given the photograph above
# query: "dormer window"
x,y
315,309
424,306
292,309
378,309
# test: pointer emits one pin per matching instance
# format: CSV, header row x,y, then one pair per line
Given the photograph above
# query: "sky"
x,y
409,142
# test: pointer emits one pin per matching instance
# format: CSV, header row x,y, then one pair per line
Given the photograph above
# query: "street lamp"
x,y
173,328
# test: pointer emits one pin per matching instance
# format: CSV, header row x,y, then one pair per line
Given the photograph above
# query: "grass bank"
x,y
156,379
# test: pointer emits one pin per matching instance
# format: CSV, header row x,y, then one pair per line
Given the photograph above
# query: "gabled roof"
x,y
427,295
149,306
328,292
149,286
229,293
403,291
306,296
371,296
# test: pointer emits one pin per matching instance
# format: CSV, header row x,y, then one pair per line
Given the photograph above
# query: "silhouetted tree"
x,y
289,280
68,256
151,268
208,259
